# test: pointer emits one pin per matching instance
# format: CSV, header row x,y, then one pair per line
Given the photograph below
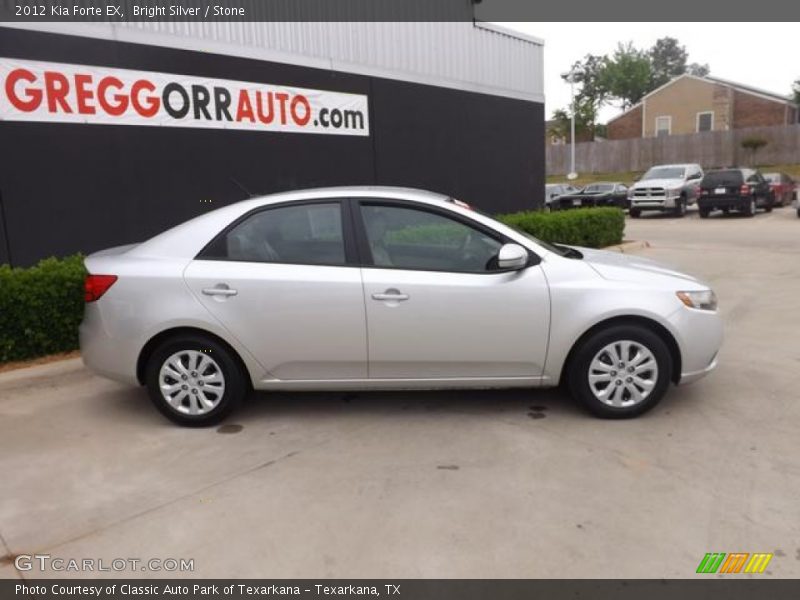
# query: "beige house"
x,y
690,104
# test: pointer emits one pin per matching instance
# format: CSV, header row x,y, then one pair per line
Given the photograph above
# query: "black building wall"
x,y
66,188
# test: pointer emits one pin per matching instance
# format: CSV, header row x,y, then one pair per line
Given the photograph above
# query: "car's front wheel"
x,y
194,380
635,213
620,372
680,207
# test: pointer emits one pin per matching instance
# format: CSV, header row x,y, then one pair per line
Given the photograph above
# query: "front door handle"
x,y
220,290
392,295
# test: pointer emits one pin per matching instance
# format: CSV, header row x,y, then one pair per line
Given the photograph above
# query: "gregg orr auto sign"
x,y
62,93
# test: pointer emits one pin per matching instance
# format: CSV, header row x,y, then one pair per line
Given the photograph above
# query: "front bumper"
x,y
654,203
692,376
699,335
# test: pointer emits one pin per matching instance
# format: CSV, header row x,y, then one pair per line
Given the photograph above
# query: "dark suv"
x,y
743,190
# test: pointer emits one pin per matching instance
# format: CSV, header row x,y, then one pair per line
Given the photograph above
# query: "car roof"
x,y
676,165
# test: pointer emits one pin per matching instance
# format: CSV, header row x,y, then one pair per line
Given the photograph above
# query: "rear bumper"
x,y
103,354
733,202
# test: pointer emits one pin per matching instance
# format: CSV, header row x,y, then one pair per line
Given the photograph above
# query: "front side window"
x,y
409,238
298,234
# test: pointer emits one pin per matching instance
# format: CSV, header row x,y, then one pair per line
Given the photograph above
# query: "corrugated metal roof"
x,y
463,55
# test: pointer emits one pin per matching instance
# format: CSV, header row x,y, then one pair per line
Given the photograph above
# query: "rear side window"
x,y
725,178
308,234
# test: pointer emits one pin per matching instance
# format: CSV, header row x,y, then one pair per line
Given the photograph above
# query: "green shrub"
x,y
588,227
40,308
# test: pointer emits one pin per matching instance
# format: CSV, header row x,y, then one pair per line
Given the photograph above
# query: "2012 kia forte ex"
x,y
364,288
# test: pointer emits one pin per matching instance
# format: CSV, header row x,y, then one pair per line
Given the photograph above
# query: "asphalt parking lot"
x,y
446,484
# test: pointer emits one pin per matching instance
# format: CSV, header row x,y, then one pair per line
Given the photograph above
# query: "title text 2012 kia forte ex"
x,y
363,288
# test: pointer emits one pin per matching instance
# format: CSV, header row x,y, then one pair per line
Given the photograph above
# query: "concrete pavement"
x,y
437,484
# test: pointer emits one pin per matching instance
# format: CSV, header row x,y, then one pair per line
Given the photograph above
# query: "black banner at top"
x,y
391,10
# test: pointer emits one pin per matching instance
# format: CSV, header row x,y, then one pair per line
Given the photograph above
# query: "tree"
x,y
753,144
591,94
667,61
698,70
585,126
628,74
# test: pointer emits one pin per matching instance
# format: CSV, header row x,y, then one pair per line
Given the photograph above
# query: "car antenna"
x,y
244,189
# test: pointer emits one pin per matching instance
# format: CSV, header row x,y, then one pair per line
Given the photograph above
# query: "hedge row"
x,y
588,227
40,308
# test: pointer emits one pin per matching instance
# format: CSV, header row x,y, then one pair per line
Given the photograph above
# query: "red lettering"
x,y
57,88
302,101
121,100
244,110
282,98
34,96
264,118
153,102
83,95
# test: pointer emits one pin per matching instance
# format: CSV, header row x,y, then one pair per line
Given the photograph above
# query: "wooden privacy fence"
x,y
710,149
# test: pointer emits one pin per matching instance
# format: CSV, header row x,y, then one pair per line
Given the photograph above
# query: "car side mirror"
x,y
512,256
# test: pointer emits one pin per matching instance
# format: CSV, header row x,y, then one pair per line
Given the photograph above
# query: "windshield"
x,y
664,173
729,178
773,177
599,187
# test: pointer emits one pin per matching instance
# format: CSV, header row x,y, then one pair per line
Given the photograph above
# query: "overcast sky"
x,y
730,49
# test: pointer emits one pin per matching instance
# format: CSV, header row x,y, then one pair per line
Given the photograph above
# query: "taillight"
x,y
744,190
94,286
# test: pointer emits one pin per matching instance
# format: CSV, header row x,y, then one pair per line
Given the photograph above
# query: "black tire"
x,y
635,213
704,212
578,370
798,213
233,376
749,209
680,207
768,204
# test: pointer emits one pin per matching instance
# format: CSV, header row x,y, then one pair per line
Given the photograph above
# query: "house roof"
x,y
747,89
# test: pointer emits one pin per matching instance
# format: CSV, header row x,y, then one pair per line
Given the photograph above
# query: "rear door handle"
x,y
392,295
220,290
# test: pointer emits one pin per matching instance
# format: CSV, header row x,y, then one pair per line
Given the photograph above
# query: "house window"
x,y
705,121
663,126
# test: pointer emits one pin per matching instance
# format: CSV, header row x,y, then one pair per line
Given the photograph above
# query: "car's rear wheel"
x,y
704,212
620,372
635,213
194,381
750,207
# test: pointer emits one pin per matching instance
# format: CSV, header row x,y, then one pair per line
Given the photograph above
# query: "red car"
x,y
783,188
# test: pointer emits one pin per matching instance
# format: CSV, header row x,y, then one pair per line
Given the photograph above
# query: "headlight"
x,y
704,300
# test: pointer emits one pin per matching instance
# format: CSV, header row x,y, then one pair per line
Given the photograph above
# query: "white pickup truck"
x,y
666,188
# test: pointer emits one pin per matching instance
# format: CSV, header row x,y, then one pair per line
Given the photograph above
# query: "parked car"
x,y
553,191
601,193
362,288
784,189
743,190
666,188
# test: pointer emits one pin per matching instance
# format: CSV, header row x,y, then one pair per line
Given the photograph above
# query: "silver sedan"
x,y
363,288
